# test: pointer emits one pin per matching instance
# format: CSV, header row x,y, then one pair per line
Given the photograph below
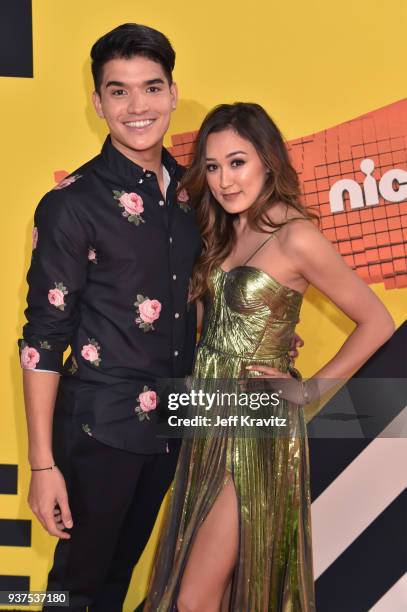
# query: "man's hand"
x,y
48,499
297,342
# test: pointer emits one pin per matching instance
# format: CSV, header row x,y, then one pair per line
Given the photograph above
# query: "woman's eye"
x,y
237,162
211,167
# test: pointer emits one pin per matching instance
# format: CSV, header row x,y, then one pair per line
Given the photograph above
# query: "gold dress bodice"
x,y
250,319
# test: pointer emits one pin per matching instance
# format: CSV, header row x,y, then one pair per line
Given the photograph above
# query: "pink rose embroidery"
x,y
35,238
147,401
183,200
91,352
132,205
56,296
29,357
183,196
69,180
92,256
148,310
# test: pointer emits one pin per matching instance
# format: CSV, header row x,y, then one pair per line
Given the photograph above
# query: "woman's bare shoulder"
x,y
298,231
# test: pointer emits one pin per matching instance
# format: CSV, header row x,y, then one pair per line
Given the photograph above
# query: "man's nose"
x,y
137,104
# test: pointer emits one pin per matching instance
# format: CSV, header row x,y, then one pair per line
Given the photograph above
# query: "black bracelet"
x,y
42,469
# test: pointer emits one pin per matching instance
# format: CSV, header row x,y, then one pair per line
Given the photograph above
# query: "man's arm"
x,y
40,389
56,277
47,487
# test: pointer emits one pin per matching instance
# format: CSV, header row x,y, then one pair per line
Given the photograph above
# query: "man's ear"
x,y
174,95
97,103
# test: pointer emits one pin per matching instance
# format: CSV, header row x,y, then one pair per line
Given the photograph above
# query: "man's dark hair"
x,y
127,41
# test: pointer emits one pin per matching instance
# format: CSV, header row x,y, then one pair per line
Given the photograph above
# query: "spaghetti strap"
x,y
261,246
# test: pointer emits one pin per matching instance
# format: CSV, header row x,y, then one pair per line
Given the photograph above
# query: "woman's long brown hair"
x,y
251,122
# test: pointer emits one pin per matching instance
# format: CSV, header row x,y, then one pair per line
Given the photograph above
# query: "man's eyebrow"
x,y
157,81
114,84
228,155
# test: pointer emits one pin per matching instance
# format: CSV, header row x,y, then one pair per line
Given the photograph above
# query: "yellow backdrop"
x,y
312,65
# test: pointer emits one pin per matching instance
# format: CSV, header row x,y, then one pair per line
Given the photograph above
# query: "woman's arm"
x,y
314,258
319,263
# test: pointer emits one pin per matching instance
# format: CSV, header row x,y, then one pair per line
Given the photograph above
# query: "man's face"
x,y
136,101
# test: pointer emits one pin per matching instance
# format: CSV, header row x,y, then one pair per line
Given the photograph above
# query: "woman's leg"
x,y
212,557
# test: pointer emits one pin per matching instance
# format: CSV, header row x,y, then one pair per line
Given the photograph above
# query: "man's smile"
x,y
139,124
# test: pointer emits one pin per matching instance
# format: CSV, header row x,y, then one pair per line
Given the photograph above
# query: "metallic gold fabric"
x,y
251,319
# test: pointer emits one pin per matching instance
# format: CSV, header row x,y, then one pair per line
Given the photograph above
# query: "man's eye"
x,y
118,92
237,162
153,89
211,167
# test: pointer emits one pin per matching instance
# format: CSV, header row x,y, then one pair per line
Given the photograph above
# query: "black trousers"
x,y
114,497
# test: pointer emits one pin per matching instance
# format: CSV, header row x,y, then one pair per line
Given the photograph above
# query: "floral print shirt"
x,y
109,277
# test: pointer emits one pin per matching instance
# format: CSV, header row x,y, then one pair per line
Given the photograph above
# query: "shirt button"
x,y
170,239
176,353
176,315
174,277
148,174
161,202
140,180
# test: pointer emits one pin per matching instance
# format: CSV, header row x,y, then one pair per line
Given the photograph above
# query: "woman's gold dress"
x,y
251,319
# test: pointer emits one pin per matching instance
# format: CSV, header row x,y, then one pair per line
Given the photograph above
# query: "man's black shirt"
x,y
109,277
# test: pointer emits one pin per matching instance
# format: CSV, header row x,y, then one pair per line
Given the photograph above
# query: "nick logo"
x,y
392,187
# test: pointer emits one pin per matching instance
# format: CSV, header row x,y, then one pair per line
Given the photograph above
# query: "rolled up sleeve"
x,y
56,278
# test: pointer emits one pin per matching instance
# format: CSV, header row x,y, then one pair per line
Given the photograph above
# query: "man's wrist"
x,y
44,469
40,461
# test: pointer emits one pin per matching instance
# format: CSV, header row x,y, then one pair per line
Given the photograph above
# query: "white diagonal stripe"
x,y
358,495
395,600
397,428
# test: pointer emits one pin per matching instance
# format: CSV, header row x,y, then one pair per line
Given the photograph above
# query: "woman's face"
x,y
234,171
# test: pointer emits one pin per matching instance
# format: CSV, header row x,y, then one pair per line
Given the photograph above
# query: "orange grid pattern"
x,y
373,239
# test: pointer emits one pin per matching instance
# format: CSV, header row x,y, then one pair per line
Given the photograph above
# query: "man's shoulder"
x,y
79,179
71,189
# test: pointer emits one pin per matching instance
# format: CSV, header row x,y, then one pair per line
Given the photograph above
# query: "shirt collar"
x,y
166,179
122,165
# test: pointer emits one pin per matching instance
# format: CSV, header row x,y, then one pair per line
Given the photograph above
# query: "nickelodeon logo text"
x,y
392,187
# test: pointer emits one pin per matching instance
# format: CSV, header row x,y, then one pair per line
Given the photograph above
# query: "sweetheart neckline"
x,y
274,280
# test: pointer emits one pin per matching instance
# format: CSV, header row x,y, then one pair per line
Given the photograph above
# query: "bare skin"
x,y
298,256
47,495
137,90
213,556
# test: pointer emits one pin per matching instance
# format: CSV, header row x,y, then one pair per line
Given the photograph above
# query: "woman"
x,y
237,534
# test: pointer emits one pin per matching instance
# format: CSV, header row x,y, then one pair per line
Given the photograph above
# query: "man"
x,y
113,252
